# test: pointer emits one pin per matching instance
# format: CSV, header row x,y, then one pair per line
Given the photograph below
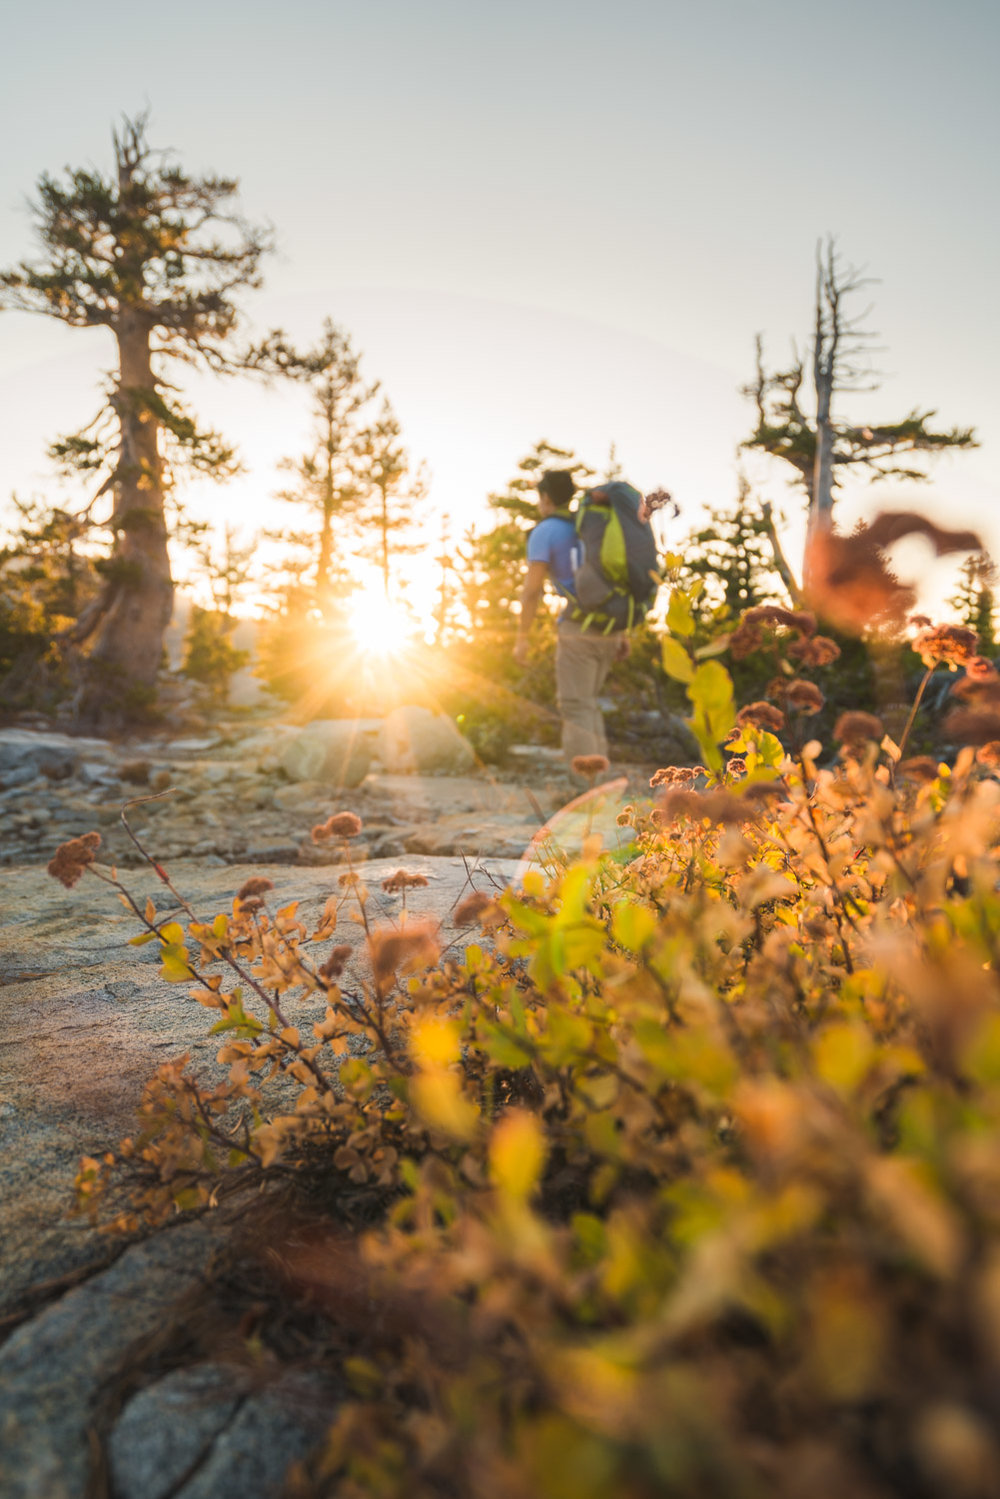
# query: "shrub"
x,y
687,1179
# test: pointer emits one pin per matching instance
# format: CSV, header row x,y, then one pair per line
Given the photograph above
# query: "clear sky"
x,y
545,219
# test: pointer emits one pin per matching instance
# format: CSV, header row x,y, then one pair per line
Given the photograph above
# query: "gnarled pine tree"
x,y
155,257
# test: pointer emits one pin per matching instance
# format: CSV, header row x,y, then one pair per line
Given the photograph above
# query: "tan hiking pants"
x,y
583,661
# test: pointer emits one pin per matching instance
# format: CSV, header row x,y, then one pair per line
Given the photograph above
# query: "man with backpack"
x,y
603,561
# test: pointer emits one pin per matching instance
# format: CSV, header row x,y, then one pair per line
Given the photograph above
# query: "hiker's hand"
x,y
624,649
521,653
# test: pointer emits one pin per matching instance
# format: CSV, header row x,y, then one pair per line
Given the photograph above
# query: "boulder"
x,y
416,741
335,751
53,755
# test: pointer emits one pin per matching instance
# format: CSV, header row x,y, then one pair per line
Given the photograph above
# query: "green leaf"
x,y
632,925
676,661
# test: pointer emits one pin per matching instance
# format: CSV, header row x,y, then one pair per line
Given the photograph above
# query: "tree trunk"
x,y
385,541
825,348
141,590
781,563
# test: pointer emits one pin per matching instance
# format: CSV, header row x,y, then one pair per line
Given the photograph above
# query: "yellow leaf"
x,y
517,1154
842,1055
676,661
172,933
439,1101
176,969
290,1035
436,1043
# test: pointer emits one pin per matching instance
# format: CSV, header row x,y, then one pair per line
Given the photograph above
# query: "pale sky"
x,y
545,219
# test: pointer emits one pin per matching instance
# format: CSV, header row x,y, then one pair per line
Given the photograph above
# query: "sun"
x,y
379,626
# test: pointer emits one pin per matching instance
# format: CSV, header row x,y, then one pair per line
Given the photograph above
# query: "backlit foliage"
x,y
689,1171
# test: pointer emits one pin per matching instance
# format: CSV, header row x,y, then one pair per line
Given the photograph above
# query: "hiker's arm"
x,y
531,597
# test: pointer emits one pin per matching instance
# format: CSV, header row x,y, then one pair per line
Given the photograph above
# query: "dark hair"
x,y
558,486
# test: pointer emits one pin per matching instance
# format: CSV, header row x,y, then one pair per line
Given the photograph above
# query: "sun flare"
x,y
380,627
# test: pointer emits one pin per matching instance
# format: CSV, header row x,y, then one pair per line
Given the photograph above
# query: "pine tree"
x,y
732,554
154,256
974,600
329,477
390,489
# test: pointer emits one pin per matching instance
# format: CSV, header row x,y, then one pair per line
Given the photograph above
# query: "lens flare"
x,y
380,627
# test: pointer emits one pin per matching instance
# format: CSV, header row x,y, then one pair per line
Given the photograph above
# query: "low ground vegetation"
x,y
683,1177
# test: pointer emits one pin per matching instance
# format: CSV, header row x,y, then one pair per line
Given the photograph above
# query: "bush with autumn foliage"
x,y
685,1179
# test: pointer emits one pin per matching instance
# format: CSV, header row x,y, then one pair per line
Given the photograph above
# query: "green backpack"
x,y
617,573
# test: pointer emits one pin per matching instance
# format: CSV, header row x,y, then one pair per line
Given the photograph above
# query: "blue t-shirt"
x,y
553,541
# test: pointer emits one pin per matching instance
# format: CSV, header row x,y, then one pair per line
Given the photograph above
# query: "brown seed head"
x,y
340,825
256,885
71,859
590,766
950,645
403,879
761,715
476,907
920,768
411,947
988,754
803,696
819,651
854,727
335,963
973,725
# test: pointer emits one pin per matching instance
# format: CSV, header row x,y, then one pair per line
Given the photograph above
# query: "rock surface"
x,y
416,741
85,1020
336,753
206,1433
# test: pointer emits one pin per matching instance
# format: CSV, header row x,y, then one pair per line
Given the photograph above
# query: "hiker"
x,y
603,561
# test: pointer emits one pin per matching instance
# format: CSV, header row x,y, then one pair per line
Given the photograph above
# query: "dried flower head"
x,y
403,879
855,727
657,499
948,645
676,775
257,884
819,651
736,767
920,768
976,725
340,825
251,907
413,946
717,806
71,859
590,766
476,907
761,715
336,962
803,696
988,754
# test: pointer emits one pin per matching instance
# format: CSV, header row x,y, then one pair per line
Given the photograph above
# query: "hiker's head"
x,y
555,491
